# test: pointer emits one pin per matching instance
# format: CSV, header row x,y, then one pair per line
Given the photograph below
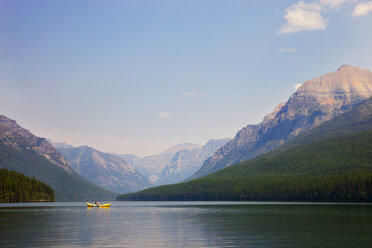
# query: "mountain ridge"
x,y
13,135
106,170
28,154
315,101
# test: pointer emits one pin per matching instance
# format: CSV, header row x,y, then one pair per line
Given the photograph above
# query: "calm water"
x,y
185,224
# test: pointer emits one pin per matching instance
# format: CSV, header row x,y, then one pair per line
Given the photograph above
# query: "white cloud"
x,y
286,50
189,93
297,86
303,16
164,115
362,9
307,16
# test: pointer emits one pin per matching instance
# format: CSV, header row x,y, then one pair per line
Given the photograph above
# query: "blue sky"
x,y
140,76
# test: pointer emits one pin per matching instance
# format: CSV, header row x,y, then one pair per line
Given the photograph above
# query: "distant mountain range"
x,y
174,164
315,102
186,162
331,162
104,169
23,152
153,165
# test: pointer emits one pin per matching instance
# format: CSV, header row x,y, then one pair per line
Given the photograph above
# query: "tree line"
x,y
16,187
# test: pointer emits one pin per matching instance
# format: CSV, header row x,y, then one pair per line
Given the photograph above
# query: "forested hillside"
x,y
332,169
16,187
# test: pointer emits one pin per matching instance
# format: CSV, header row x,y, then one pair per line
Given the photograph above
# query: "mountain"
x,y
12,135
331,162
186,162
316,101
358,119
23,152
153,165
106,170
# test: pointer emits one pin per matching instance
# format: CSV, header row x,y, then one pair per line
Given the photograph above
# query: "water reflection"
x,y
186,225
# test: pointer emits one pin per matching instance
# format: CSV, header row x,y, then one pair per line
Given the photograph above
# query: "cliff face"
x,y
13,135
316,101
105,170
186,162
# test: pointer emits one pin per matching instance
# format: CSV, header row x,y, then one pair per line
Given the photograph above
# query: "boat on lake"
x,y
98,205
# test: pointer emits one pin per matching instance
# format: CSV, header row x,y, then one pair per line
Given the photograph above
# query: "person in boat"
x,y
96,203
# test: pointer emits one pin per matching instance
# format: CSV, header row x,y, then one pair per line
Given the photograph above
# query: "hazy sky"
x,y
139,76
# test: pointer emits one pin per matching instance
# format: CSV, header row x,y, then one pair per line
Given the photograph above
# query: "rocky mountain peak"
x,y
347,80
342,88
13,135
347,67
329,95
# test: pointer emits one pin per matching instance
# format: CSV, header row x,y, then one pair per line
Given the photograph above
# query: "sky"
x,y
138,76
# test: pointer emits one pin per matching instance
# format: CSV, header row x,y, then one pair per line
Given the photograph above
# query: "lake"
x,y
186,224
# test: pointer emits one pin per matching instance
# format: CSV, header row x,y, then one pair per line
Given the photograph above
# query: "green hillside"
x,y
67,186
330,163
16,187
335,169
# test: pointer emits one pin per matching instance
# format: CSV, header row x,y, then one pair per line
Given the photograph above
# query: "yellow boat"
x,y
92,205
